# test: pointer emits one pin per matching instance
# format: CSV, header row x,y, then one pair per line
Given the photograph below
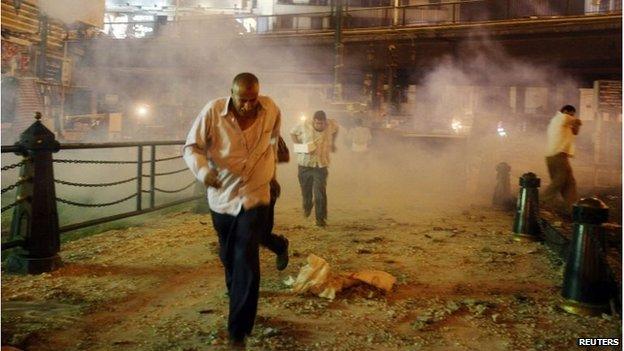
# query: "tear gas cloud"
x,y
197,65
72,11
479,88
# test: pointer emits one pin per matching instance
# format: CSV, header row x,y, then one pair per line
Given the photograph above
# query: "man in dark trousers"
x,y
274,242
232,148
562,131
317,138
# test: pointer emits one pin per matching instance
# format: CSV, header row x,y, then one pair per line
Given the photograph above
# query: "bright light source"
x,y
501,131
142,110
303,117
456,125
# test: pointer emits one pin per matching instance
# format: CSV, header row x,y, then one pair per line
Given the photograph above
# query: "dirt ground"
x,y
462,283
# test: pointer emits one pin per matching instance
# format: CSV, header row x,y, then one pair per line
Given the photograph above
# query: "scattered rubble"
x,y
460,283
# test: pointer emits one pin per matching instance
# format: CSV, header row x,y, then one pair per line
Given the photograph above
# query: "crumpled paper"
x,y
316,277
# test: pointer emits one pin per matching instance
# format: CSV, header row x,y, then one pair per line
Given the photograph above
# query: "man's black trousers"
x,y
239,237
273,242
313,181
239,240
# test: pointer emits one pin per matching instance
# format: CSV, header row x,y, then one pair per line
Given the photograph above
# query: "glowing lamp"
x,y
142,110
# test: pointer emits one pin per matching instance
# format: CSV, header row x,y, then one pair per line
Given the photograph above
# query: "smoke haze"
x,y
477,86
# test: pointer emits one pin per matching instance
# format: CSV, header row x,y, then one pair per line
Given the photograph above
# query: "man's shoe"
x,y
281,260
237,344
321,223
307,213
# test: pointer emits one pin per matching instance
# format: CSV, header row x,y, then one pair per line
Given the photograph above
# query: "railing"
x,y
457,12
356,15
146,169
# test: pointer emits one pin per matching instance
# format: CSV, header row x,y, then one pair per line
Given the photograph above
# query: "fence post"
x,y
35,214
139,177
152,176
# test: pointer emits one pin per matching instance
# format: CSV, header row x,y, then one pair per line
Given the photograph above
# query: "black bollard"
x,y
526,226
502,196
586,284
35,218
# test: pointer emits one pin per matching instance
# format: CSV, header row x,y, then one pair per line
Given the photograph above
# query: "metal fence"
x,y
147,171
356,15
455,12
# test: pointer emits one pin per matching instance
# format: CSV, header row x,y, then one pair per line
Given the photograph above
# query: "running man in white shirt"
x,y
562,132
232,148
320,136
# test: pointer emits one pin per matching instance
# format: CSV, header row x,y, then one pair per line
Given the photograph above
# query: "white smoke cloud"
x,y
71,11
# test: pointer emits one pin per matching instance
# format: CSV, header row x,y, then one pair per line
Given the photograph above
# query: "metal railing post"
x,y
36,216
152,176
338,53
567,13
404,10
395,13
454,13
385,18
139,177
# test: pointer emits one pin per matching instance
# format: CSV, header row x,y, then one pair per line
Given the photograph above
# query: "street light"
x,y
142,110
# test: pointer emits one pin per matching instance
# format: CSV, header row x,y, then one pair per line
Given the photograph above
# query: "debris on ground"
x,y
317,278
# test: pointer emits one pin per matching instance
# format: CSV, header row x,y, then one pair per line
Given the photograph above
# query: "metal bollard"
x,y
586,284
35,220
526,227
501,196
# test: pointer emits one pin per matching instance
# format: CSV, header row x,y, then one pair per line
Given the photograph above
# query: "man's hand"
x,y
295,139
576,126
211,179
333,148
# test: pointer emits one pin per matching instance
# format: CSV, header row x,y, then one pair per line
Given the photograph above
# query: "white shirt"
x,y
321,143
560,136
245,160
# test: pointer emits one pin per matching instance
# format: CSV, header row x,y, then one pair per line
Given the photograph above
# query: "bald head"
x,y
245,90
245,78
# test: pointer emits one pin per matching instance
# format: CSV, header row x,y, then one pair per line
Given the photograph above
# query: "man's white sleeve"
x,y
195,150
